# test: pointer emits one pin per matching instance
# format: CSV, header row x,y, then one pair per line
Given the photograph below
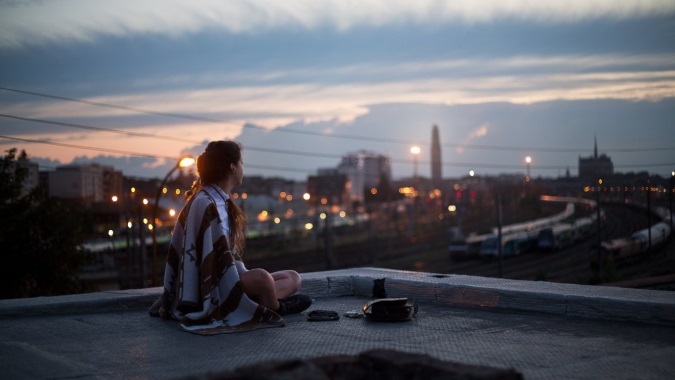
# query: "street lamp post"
x,y
500,249
649,216
182,163
670,198
597,210
415,150
528,162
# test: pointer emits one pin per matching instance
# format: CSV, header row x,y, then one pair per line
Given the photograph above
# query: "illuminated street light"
x,y
182,163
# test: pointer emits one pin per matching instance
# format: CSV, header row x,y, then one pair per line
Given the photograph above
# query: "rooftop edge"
x,y
584,301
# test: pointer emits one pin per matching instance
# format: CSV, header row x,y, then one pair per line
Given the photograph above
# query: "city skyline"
x,y
136,86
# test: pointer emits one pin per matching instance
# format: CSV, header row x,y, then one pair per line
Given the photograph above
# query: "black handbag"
x,y
390,309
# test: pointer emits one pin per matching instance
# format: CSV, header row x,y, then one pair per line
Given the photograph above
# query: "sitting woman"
x,y
206,285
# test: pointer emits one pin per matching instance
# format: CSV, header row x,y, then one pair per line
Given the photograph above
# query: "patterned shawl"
x,y
201,284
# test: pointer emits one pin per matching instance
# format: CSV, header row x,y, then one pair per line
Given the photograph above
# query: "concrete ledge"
x,y
594,302
99,302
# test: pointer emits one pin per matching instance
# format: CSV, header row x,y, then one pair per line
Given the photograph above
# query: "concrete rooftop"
x,y
542,330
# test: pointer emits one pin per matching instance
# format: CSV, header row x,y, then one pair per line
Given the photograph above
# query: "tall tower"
x,y
435,157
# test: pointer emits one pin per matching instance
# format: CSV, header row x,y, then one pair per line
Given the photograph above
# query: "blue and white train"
x,y
550,233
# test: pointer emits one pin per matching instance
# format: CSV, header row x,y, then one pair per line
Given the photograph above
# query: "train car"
x,y
629,249
660,233
557,237
583,228
618,251
489,247
468,248
537,224
512,244
623,249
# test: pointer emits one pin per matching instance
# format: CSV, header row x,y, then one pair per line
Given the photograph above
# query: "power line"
x,y
107,150
136,154
118,107
191,141
100,129
251,148
161,137
286,130
83,147
454,164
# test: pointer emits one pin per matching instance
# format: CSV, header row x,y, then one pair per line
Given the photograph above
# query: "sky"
x,y
300,83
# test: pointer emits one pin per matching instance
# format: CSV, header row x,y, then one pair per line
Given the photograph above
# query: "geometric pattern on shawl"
x,y
202,289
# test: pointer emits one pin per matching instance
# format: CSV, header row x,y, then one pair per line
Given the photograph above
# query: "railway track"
x,y
569,265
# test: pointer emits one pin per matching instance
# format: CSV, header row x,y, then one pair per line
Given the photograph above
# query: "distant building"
x,y
363,171
113,183
260,185
329,187
436,175
596,166
89,183
32,179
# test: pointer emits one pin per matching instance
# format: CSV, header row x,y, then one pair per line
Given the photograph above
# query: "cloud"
x,y
479,132
520,79
29,22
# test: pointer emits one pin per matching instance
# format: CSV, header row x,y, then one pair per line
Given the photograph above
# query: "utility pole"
x,y
670,199
328,240
597,209
649,217
499,236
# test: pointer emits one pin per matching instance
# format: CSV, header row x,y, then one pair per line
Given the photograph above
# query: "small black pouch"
x,y
390,309
322,315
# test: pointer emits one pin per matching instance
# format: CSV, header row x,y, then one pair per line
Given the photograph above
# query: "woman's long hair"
x,y
213,166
